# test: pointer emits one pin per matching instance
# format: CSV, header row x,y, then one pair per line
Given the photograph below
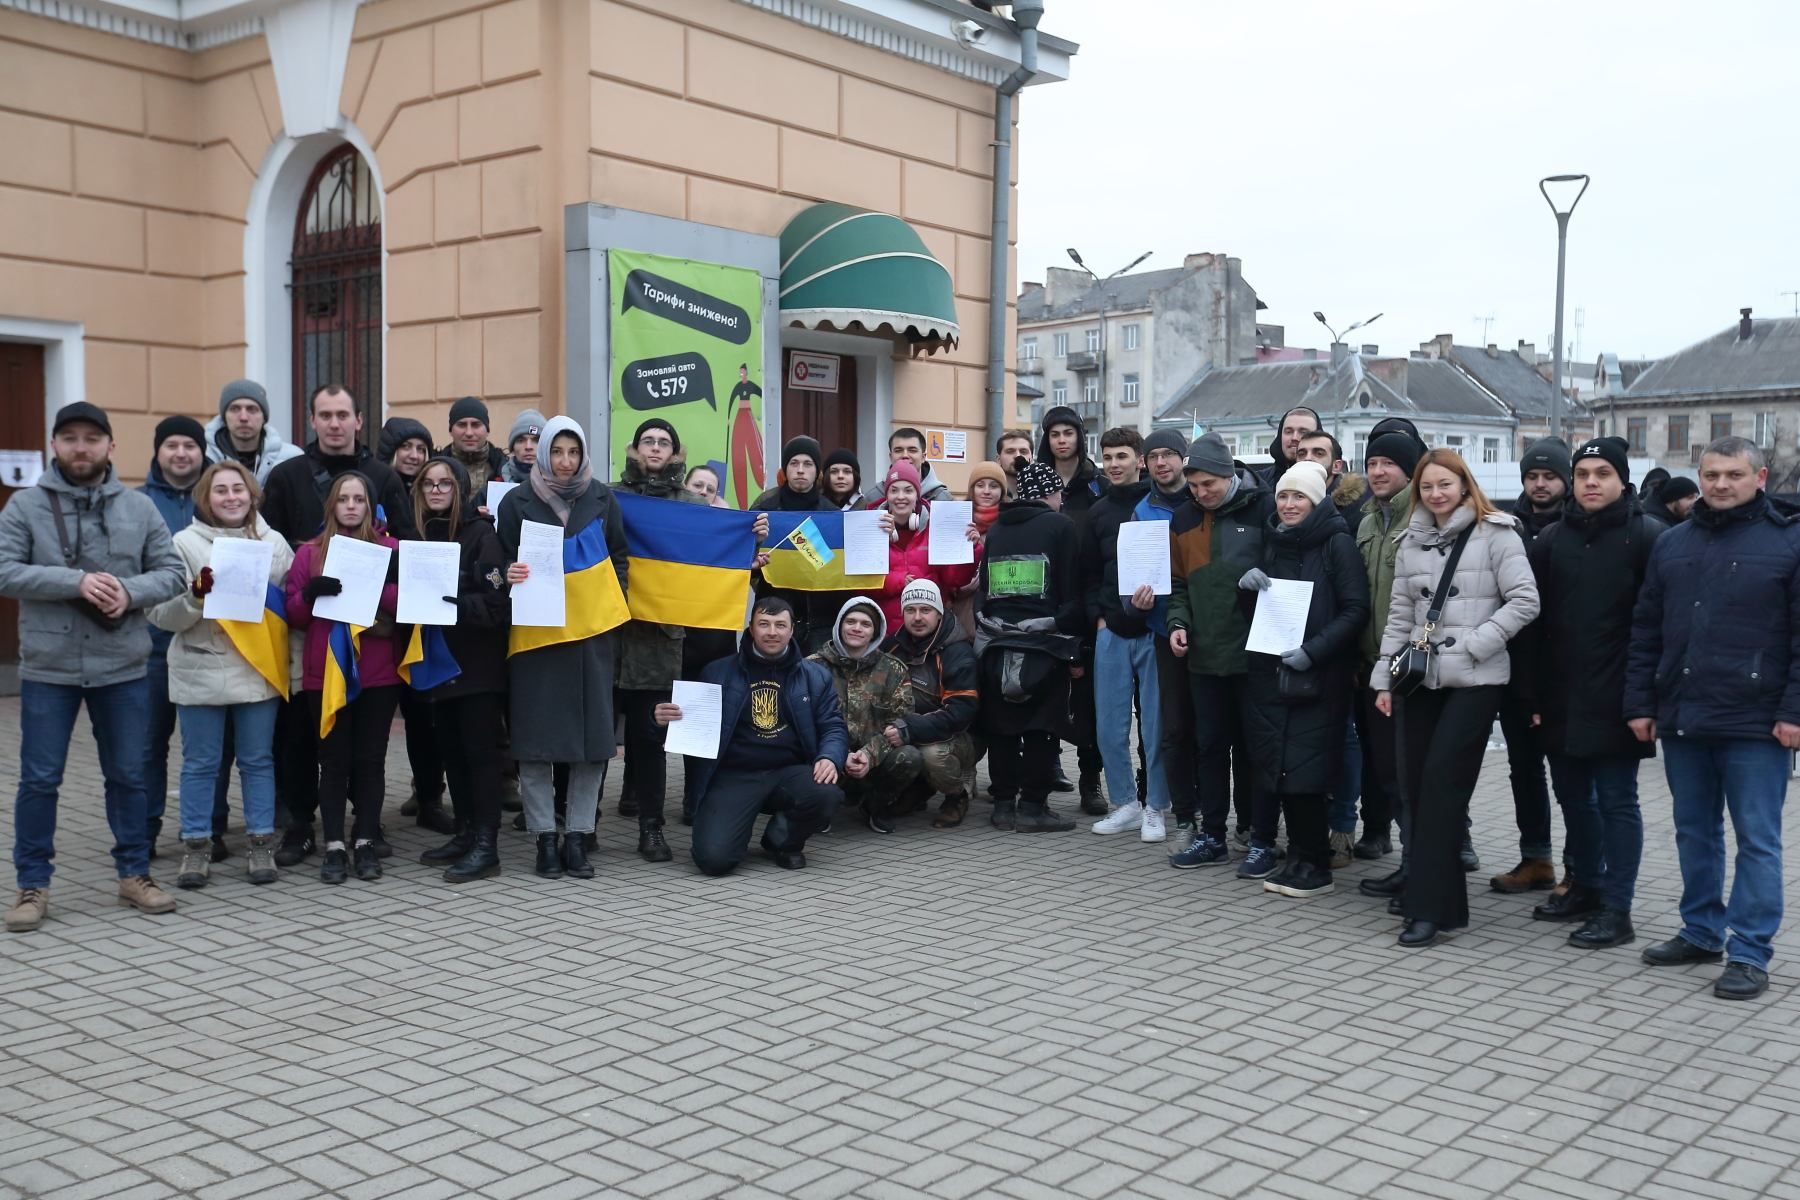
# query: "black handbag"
x,y
1298,687
1413,665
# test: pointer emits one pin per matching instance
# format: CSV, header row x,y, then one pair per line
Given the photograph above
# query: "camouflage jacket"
x,y
873,691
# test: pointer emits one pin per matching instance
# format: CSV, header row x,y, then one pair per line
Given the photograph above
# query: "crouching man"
x,y
872,693
940,661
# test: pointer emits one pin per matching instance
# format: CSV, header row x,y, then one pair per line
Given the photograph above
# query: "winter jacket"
x,y
908,559
1492,598
1531,521
649,652
874,690
1378,541
1715,637
1209,551
1030,577
177,509
489,463
808,700
561,696
483,609
1352,497
205,667
945,690
378,656
1589,568
273,451
1084,486
293,500
115,530
1298,748
1158,505
1100,560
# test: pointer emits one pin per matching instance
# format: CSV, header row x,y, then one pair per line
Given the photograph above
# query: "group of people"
x,y
1579,619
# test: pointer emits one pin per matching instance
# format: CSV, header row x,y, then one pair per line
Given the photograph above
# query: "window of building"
x,y
1093,446
1603,430
337,290
1635,434
1678,435
1059,392
1090,390
1455,441
1765,430
1361,449
1490,449
1060,345
1093,340
1721,426
1131,335
1129,393
1028,348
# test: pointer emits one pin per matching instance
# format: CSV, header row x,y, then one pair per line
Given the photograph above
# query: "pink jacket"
x,y
907,561
380,655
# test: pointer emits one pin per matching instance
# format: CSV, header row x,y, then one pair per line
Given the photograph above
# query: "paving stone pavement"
x,y
943,1014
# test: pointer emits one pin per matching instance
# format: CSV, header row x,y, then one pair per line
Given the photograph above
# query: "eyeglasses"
x,y
440,485
664,442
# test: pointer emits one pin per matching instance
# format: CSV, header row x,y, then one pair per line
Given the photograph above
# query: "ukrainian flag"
x,y
690,563
792,569
428,661
264,644
342,683
593,601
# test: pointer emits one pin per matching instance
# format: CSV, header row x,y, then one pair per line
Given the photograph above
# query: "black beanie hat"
x,y
469,406
658,423
1396,447
843,457
1679,487
177,426
1549,454
1613,449
802,445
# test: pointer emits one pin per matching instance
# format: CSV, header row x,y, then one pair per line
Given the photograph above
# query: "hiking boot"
x,y
482,860
1122,819
1005,814
951,811
1605,929
367,860
451,851
1343,850
296,845
261,865
1578,901
1373,846
29,910
196,859
140,892
1039,817
335,868
1093,800
652,846
1531,875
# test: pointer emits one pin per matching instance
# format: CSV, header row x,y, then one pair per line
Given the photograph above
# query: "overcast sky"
x,y
1384,157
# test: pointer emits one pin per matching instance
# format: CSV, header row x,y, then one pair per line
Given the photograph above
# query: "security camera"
x,y
969,34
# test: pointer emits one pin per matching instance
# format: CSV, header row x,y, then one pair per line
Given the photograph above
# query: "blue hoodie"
x,y
177,510
1158,505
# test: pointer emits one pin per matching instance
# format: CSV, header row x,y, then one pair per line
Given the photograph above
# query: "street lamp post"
x,y
1354,325
1562,250
1101,364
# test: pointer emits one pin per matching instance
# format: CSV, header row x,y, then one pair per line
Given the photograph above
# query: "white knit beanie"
x,y
922,591
1307,478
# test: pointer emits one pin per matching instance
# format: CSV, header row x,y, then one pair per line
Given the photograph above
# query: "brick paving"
x,y
944,1014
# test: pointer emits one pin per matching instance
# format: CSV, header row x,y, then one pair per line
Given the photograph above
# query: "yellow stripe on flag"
x,y
593,602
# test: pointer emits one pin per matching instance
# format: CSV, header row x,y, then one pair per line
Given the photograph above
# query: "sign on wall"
x,y
687,347
947,445
814,372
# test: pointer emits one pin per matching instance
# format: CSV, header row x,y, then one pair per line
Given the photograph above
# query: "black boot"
x,y
1418,934
434,816
481,861
1578,901
459,844
651,845
1061,780
1039,817
574,856
367,862
1372,846
549,862
1006,813
1607,928
1471,861
1391,884
1093,803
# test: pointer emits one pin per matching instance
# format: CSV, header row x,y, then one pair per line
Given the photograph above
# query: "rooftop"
x,y
1400,386
1728,362
1126,291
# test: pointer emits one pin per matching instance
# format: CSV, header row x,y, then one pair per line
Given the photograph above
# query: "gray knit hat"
x,y
530,422
1208,453
244,389
1166,439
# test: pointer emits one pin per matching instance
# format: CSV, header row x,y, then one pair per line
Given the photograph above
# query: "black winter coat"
x,y
1029,571
1100,568
1296,749
1589,568
483,609
945,685
293,500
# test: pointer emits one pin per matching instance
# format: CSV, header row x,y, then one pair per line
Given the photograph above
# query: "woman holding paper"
x,y
465,711
353,755
1299,700
909,550
212,683
561,702
1465,562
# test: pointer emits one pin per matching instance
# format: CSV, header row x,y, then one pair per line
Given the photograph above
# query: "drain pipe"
x,y
1026,14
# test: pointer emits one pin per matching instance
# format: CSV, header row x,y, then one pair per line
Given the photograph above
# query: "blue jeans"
x,y
1342,813
120,716
1599,799
203,729
1122,667
1748,777
156,747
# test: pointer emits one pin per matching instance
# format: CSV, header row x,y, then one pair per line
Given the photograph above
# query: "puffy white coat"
x,y
1493,596
204,667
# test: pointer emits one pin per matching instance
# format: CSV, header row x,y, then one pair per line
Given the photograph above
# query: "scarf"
x,y
985,517
560,494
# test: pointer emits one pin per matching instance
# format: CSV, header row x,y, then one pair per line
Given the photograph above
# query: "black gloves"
x,y
321,585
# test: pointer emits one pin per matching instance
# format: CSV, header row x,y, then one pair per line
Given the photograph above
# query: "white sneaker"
x,y
1153,828
1121,819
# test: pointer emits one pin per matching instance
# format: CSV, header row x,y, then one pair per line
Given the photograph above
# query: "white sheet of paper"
x,y
948,533
496,492
865,544
428,573
697,733
540,599
1280,621
240,569
1144,557
362,567
20,468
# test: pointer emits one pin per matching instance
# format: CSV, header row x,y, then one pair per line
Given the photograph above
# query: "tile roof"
x,y
1432,387
1768,360
1508,376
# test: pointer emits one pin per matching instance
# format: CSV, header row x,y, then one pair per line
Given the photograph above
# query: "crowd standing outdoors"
x,y
1595,622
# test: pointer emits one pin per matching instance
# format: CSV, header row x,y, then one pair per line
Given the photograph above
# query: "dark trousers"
x,y
297,760
1599,798
156,747
422,751
1022,766
1176,741
732,801
1443,733
1218,733
467,730
699,647
1381,797
646,770
353,761
1308,828
1087,741
1531,791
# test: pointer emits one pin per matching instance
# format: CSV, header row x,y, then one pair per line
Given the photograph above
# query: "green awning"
x,y
844,267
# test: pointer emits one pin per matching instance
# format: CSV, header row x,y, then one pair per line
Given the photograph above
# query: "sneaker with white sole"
x,y
1154,828
1122,819
1343,850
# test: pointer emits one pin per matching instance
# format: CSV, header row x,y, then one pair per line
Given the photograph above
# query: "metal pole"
x,y
1556,396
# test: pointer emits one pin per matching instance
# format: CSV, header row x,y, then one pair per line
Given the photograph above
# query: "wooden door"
x,y
21,428
830,417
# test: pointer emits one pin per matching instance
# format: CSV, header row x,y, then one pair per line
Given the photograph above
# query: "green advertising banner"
x,y
686,347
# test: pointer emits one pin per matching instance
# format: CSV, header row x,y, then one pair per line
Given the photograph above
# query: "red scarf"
x,y
985,518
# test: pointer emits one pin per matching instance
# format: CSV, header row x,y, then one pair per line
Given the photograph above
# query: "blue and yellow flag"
x,y
264,644
428,661
690,563
818,568
593,601
342,683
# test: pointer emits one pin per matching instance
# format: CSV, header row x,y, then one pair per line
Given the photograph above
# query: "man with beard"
x,y
940,663
1674,501
909,444
1285,448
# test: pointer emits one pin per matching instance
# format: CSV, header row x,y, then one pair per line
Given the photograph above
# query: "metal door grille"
x,y
336,289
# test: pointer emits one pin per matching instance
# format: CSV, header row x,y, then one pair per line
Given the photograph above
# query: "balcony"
x,y
1083,360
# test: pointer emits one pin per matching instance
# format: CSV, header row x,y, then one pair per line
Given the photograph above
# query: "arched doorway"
x,y
336,289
